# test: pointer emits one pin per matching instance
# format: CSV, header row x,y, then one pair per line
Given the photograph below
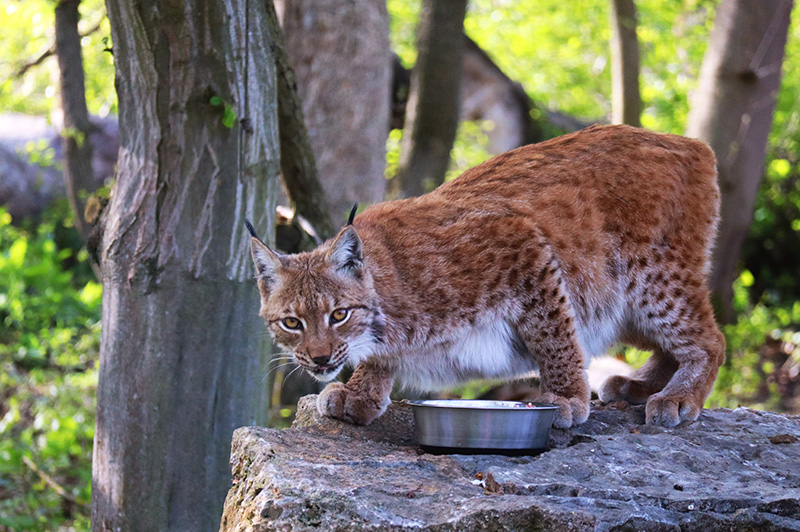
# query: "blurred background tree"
x,y
529,71
341,55
732,110
433,99
626,101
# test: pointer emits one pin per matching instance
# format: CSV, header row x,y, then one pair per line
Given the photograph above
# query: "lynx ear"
x,y
345,253
265,260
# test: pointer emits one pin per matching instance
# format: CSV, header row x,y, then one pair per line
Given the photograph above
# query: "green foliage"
x,y
560,52
745,377
49,342
76,134
36,92
772,250
469,148
228,114
403,18
39,153
393,152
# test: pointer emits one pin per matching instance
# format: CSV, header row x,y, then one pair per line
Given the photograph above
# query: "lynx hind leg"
x,y
548,330
676,316
644,382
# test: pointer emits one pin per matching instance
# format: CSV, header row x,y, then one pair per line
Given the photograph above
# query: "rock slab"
x,y
731,470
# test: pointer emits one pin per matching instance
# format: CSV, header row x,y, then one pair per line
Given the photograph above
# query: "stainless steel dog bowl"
x,y
472,426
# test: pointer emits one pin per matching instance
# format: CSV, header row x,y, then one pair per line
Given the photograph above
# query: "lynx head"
x,y
320,305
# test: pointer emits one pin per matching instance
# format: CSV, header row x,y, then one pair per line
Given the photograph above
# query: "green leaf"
x,y
92,294
216,101
229,117
780,167
16,254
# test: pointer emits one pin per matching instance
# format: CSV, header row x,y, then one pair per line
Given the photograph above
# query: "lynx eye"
x,y
339,315
292,323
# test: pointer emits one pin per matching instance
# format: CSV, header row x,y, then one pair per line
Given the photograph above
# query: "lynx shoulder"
x,y
539,258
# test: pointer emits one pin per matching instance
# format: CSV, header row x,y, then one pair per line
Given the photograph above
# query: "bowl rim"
x,y
475,404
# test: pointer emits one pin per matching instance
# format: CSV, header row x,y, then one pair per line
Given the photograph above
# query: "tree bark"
x,y
179,359
732,110
78,173
298,165
626,100
433,105
342,58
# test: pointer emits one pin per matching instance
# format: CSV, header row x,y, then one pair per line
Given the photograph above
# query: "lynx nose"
x,y
321,360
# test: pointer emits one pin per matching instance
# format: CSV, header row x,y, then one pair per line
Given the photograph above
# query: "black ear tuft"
x,y
352,215
250,228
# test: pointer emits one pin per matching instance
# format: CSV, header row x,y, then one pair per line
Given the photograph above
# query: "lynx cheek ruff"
x,y
483,427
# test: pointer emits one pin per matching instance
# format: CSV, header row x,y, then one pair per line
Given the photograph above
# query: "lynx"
x,y
537,259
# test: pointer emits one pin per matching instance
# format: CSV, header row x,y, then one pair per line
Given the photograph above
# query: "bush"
x,y
49,344
763,357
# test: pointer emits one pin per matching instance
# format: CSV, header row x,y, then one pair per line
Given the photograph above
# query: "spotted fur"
x,y
536,259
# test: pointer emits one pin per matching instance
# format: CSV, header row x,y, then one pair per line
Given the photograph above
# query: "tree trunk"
x,y
626,101
78,173
298,165
433,105
180,364
732,110
342,58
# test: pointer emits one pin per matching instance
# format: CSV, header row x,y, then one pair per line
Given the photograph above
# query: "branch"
x,y
50,481
298,165
51,50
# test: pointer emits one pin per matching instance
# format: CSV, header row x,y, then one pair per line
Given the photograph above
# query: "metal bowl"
x,y
473,426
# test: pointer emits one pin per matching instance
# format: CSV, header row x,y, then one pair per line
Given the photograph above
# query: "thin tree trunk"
x,y
732,110
179,359
341,56
626,101
298,166
78,173
433,105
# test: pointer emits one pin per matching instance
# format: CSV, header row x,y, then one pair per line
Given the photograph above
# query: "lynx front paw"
x,y
571,411
340,402
669,410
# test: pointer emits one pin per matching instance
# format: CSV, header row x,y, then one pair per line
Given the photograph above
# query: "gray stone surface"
x,y
730,470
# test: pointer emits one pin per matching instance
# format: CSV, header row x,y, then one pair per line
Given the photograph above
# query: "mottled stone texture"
x,y
721,472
